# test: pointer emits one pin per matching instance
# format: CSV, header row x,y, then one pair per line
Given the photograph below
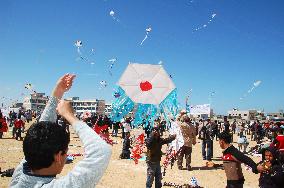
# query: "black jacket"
x,y
274,178
154,147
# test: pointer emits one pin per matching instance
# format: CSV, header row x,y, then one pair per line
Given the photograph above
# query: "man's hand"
x,y
65,109
63,84
194,142
260,168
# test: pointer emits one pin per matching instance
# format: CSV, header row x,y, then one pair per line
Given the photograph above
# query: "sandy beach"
x,y
125,173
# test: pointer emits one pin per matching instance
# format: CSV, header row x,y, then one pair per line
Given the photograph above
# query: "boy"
x,y
126,146
46,144
232,159
154,153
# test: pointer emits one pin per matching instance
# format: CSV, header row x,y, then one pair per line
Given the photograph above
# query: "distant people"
x,y
126,127
189,136
278,144
46,145
115,126
273,172
232,159
125,154
227,126
3,125
234,126
242,142
154,153
205,134
29,116
215,129
19,126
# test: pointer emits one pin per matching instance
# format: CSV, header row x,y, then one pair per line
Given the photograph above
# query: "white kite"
x,y
112,14
148,30
211,96
78,44
29,87
103,84
82,57
179,141
206,25
112,62
255,85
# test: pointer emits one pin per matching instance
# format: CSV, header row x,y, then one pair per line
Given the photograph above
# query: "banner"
x,y
200,109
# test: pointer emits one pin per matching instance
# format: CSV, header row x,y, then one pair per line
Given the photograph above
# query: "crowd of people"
x,y
45,145
16,121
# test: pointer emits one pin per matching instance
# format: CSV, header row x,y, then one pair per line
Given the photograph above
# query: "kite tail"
x,y
121,106
144,40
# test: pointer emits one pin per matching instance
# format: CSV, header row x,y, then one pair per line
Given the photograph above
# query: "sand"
x,y
125,173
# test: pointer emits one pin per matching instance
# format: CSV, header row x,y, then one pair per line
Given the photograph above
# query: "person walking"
x,y
189,136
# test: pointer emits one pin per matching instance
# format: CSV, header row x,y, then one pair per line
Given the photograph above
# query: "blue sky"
x,y
243,43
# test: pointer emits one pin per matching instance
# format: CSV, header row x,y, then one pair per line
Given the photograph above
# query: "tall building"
x,y
35,101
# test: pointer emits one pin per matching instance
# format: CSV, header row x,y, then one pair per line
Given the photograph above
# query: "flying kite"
x,y
255,85
29,87
78,44
112,62
205,25
112,14
148,30
150,88
103,84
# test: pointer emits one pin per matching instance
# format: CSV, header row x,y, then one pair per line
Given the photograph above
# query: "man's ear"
x,y
57,157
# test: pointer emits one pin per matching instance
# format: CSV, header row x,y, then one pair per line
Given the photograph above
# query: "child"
x,y
273,175
125,154
19,125
3,125
232,159
242,142
278,143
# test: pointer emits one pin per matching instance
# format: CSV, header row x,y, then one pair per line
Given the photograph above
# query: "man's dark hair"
x,y
226,137
43,140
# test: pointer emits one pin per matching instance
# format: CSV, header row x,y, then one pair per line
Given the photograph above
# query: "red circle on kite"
x,y
145,86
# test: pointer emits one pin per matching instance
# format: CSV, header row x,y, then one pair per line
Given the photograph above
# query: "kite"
x,y
205,25
255,85
79,44
212,94
160,63
148,30
103,84
187,106
150,88
112,14
174,147
29,87
138,148
112,62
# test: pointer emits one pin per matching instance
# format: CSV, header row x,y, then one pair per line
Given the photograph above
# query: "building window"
x,y
245,115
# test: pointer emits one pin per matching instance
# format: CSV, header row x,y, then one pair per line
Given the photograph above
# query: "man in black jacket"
x,y
154,153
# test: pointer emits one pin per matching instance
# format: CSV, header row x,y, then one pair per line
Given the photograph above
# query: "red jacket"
x,y
4,127
279,140
18,123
